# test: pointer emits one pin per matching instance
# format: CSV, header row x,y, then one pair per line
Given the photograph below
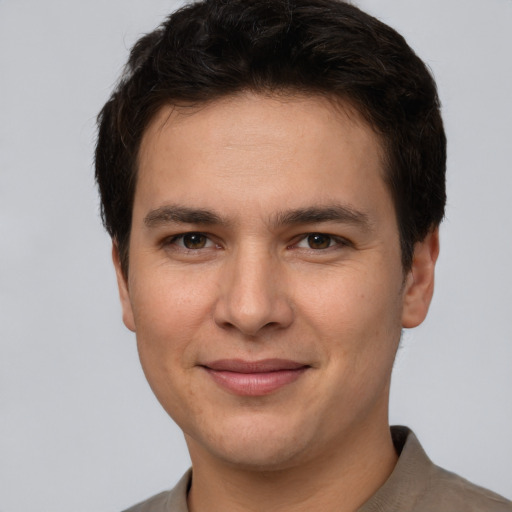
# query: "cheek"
x,y
168,311
352,292
169,317
357,313
360,330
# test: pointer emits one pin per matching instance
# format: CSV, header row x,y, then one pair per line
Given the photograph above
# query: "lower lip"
x,y
255,384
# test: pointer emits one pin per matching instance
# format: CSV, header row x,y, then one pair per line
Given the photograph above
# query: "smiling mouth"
x,y
254,378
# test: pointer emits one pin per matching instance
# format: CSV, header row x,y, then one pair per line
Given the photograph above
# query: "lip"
x,y
254,378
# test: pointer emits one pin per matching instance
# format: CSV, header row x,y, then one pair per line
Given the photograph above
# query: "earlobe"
x,y
122,284
419,285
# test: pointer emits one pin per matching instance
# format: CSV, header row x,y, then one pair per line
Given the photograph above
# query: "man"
x,y
272,176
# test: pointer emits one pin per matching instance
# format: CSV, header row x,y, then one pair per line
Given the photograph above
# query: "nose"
x,y
253,296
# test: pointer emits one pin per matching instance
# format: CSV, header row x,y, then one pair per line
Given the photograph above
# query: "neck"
x,y
340,479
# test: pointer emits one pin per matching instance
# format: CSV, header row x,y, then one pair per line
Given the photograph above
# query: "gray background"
x,y
79,427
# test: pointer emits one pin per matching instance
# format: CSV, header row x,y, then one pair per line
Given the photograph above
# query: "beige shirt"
x,y
416,485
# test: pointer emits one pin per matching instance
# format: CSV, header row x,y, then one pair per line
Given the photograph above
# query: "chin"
x,y
253,447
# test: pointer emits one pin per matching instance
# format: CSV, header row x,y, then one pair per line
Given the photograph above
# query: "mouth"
x,y
254,378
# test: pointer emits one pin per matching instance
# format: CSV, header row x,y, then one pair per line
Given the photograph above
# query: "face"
x,y
265,284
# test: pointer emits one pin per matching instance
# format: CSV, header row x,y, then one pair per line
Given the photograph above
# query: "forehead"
x,y
253,117
259,148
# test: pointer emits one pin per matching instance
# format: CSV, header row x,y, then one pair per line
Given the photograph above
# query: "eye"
x,y
319,241
192,241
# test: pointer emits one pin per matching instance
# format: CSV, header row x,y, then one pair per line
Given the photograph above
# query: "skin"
x,y
252,284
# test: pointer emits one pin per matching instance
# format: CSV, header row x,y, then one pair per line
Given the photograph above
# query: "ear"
x,y
419,284
124,294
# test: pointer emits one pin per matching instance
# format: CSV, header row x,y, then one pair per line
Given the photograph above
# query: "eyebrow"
x,y
311,215
332,213
182,215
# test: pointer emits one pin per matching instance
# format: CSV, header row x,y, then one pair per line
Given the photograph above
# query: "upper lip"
x,y
261,366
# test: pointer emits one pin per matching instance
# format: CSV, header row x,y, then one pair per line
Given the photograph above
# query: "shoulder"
x,y
416,484
157,503
174,500
449,492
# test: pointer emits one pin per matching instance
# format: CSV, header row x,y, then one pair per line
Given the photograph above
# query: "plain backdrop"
x,y
79,428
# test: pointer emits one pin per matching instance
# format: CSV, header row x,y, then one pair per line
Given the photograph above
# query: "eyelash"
x,y
334,242
175,240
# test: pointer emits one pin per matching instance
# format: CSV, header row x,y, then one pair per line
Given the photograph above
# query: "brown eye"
x,y
319,241
194,241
